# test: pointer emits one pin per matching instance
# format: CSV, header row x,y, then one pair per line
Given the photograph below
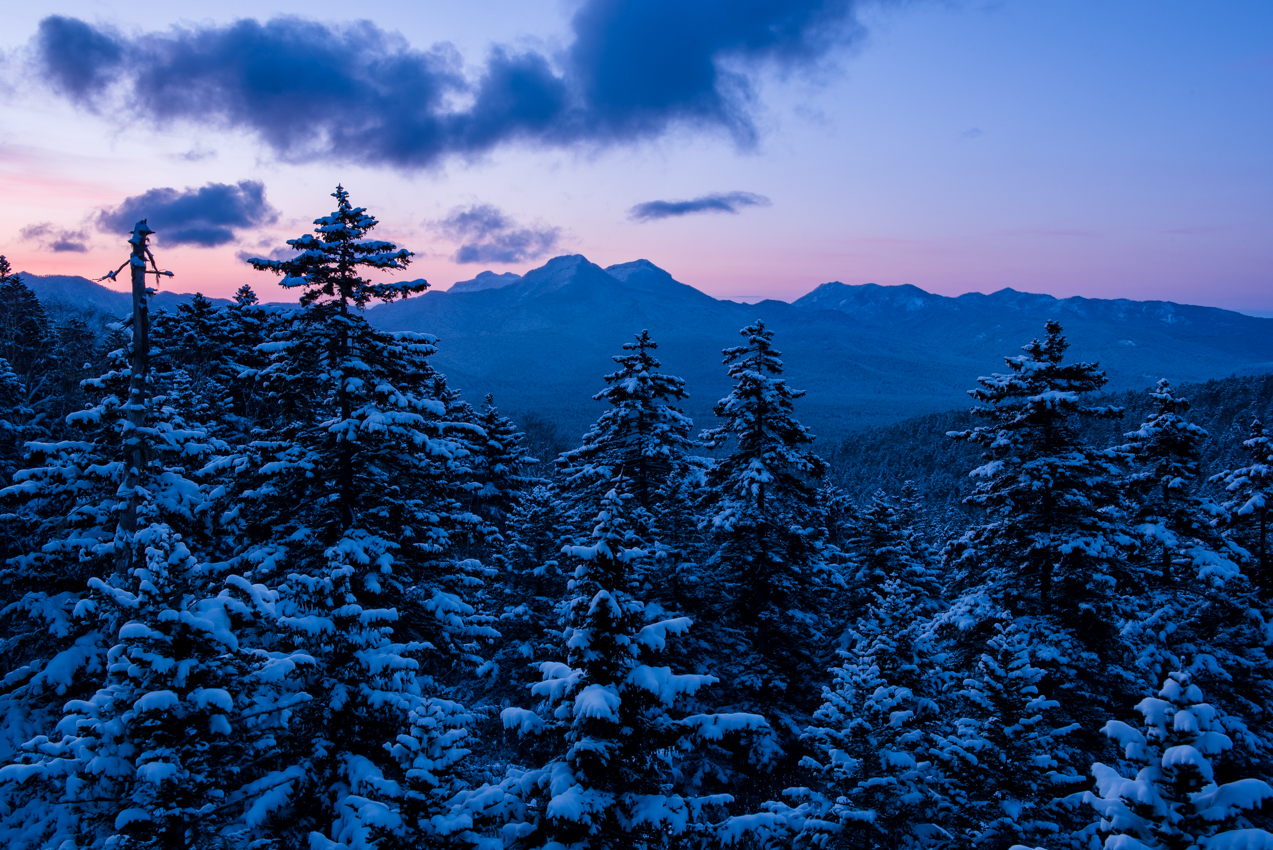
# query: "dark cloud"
x,y
357,93
207,216
489,236
56,239
80,59
727,202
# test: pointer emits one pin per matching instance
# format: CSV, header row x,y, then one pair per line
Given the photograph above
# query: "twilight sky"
x,y
750,147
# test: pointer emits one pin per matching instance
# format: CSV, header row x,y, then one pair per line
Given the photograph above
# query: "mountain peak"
x,y
623,271
485,280
868,299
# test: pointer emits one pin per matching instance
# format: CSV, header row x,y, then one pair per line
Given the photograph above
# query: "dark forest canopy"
x,y
300,592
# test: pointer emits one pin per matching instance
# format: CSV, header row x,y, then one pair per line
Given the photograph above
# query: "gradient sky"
x,y
1105,149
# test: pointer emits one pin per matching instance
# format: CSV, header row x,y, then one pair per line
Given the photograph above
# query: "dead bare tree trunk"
x,y
134,442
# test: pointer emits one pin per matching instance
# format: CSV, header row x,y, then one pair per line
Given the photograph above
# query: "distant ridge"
x,y
866,355
75,291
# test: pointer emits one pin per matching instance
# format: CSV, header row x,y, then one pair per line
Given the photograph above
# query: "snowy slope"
x,y
866,355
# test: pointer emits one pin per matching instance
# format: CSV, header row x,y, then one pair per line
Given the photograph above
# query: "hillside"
x,y
866,355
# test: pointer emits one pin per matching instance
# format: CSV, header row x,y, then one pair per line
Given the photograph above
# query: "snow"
x,y
665,685
156,701
597,701
714,727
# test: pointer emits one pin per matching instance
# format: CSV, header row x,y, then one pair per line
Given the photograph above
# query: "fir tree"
x,y
151,756
875,739
1009,757
347,510
499,467
1173,522
1177,798
1050,543
608,720
881,548
25,333
767,572
641,440
1249,488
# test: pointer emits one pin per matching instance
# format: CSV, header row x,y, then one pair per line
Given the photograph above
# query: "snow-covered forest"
x,y
271,582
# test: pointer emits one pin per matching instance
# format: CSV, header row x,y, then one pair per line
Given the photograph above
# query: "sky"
x,y
753,148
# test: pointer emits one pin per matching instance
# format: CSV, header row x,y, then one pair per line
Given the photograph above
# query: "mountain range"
x,y
865,354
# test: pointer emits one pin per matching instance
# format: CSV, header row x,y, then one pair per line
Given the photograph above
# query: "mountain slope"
x,y
865,355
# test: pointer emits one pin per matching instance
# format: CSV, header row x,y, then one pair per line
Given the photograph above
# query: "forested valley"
x,y
270,582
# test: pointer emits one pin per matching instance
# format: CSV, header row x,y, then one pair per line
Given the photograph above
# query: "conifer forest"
x,y
270,581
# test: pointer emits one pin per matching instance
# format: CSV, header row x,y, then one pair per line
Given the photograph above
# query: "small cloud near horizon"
x,y
726,202
205,217
56,239
488,235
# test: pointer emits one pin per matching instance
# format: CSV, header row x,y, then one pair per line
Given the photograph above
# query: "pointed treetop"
x,y
245,296
760,346
327,264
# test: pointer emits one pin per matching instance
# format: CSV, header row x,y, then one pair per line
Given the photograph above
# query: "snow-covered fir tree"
x,y
876,738
1179,795
1250,489
767,577
345,507
149,757
639,444
1010,759
1204,619
608,728
1050,542
879,548
1176,525
499,467
528,593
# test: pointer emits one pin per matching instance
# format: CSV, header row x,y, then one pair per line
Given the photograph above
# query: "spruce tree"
x,y
1178,797
767,577
608,724
881,548
1249,489
138,653
876,739
639,444
347,508
1010,756
1175,524
499,467
1050,543
25,333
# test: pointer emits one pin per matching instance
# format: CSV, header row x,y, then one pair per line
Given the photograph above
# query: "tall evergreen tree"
x,y
347,508
1010,757
1174,523
25,333
1249,488
1049,559
1050,543
882,548
640,441
768,576
876,739
150,756
608,723
500,467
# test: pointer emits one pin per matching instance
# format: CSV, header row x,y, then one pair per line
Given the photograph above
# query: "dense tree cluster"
x,y
278,585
